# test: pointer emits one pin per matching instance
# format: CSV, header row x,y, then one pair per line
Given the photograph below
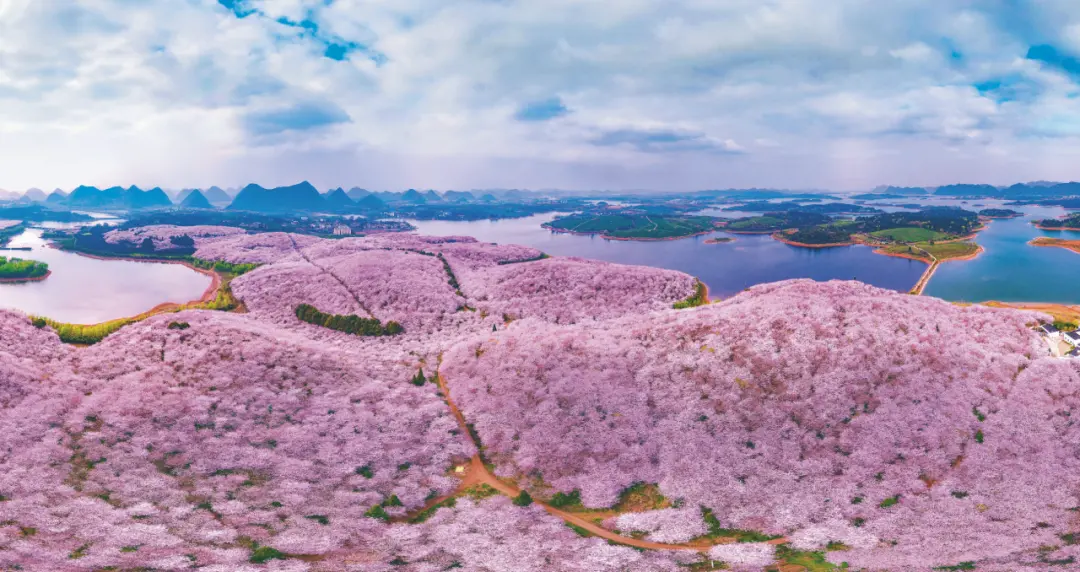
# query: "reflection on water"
x,y
86,290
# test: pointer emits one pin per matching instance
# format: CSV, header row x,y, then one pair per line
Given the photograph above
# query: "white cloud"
x,y
719,92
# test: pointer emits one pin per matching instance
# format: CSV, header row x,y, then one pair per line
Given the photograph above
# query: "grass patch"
x,y
717,531
264,554
700,297
910,234
941,251
427,513
811,561
481,491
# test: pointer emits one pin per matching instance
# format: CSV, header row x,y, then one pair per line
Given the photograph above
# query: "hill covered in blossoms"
x,y
795,424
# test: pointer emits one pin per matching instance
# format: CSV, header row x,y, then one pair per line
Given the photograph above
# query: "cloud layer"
x,y
638,94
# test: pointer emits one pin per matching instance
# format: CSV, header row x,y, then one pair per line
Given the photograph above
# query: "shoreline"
x,y
1053,228
627,239
1061,311
1051,242
932,265
208,295
25,280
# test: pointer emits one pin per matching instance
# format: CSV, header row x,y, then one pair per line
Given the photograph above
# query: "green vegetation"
x,y
19,269
960,566
351,324
569,500
910,234
1000,213
89,334
940,251
809,561
717,531
377,512
10,232
222,267
264,554
1071,221
926,225
700,297
431,510
523,499
834,233
889,501
634,225
534,259
772,222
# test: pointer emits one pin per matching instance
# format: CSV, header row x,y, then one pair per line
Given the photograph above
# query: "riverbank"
x,y
1067,244
22,280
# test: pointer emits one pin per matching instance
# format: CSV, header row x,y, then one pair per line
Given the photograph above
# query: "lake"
x,y
1011,270
726,268
83,290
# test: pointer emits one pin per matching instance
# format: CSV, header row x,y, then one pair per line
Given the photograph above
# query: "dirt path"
x,y
476,474
925,278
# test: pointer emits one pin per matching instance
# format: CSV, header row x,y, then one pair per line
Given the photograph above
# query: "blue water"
x,y
1011,270
726,268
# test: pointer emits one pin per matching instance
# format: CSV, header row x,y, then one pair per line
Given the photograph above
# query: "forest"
x,y
1072,221
927,225
351,324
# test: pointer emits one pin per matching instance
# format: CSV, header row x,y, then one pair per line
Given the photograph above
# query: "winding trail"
x,y
339,280
478,474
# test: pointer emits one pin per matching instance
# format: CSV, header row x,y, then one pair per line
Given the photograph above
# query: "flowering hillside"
x,y
844,422
565,290
834,408
162,233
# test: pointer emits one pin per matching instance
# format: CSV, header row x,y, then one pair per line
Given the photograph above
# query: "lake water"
x,y
1011,270
84,290
726,268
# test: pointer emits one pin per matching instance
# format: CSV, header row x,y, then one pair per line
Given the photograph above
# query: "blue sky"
x,y
577,94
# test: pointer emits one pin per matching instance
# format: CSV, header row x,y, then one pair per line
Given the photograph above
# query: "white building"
x,y
1050,331
1072,338
342,230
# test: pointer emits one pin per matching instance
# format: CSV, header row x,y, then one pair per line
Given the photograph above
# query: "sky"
x,y
572,94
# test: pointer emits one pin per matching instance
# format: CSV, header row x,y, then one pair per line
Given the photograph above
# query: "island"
x,y
933,224
719,240
776,221
797,205
1000,213
621,225
19,270
1070,222
1073,245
